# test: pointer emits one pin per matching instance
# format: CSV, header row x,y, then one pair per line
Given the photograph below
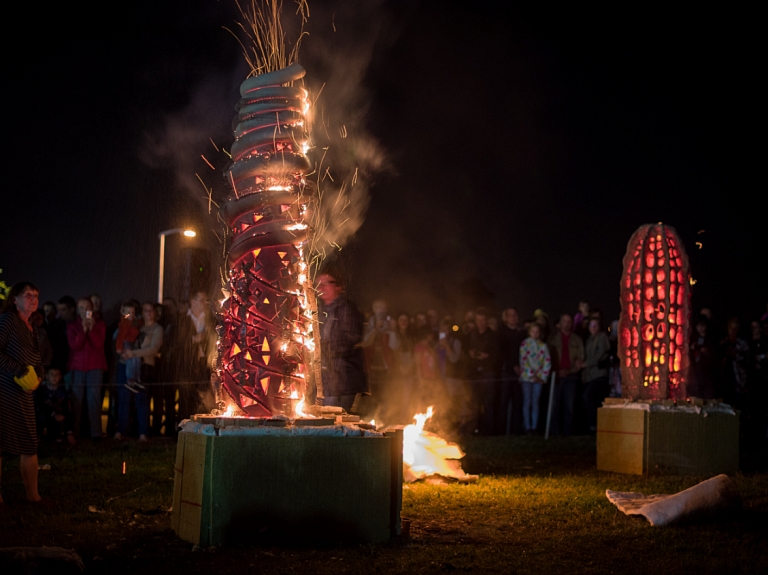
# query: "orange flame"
x,y
425,453
298,411
230,411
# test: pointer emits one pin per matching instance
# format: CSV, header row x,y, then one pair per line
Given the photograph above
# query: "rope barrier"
x,y
181,383
155,384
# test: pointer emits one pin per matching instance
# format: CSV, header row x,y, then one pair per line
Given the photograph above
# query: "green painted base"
x,y
669,442
292,489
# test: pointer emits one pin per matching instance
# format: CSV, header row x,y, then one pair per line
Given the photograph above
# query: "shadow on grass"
x,y
528,455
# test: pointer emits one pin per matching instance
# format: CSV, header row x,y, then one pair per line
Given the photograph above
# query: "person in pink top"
x,y
535,366
87,363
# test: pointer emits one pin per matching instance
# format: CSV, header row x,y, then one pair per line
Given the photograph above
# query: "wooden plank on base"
x,y
178,472
621,440
193,475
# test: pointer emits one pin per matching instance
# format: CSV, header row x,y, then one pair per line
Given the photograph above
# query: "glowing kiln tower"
x,y
265,336
655,307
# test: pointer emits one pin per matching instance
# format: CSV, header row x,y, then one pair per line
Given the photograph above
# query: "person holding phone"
x,y
87,363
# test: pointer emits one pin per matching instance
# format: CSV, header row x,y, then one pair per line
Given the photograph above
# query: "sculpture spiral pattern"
x,y
266,322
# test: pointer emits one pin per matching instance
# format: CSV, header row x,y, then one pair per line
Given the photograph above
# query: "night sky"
x,y
516,151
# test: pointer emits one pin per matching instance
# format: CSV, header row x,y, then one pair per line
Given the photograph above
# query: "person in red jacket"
x,y
87,362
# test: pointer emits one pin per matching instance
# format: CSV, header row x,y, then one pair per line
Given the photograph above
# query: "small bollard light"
x,y
123,467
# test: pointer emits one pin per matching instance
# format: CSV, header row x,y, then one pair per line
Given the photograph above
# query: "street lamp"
x,y
161,235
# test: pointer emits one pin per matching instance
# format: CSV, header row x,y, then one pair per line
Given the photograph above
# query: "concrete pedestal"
x,y
230,488
673,442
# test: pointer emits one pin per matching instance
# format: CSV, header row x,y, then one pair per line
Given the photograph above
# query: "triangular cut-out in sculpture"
x,y
265,384
265,359
235,350
256,252
265,345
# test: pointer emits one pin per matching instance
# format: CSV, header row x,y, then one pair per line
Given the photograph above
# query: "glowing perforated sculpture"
x,y
655,302
266,326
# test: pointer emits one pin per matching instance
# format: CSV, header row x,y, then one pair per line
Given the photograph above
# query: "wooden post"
x,y
549,407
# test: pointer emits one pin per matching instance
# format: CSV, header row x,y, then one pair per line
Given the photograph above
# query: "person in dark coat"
x,y
341,334
510,414
483,368
194,357
53,409
164,395
20,374
55,325
702,376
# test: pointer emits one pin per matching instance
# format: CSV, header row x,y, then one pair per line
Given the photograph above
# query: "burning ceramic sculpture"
x,y
266,334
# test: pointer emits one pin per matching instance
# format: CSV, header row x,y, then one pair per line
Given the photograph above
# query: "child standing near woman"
x,y
535,365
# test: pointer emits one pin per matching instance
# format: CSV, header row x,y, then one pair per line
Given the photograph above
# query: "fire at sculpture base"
x,y
287,484
658,437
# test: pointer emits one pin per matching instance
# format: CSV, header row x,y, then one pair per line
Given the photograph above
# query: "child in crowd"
x,y
127,333
54,415
535,366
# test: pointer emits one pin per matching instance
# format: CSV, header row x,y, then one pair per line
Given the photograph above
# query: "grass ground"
x,y
539,507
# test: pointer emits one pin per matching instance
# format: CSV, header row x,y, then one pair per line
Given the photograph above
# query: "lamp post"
x,y
161,235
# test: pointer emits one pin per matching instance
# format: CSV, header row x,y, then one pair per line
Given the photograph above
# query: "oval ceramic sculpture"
x,y
655,309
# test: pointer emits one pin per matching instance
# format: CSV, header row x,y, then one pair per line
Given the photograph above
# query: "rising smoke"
x,y
343,37
180,139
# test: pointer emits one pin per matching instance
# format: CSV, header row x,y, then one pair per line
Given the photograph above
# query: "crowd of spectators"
x,y
150,356
486,374
490,375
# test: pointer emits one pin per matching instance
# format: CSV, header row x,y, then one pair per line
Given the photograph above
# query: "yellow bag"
x,y
29,381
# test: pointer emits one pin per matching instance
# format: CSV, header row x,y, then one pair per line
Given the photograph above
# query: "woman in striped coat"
x,y
18,352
